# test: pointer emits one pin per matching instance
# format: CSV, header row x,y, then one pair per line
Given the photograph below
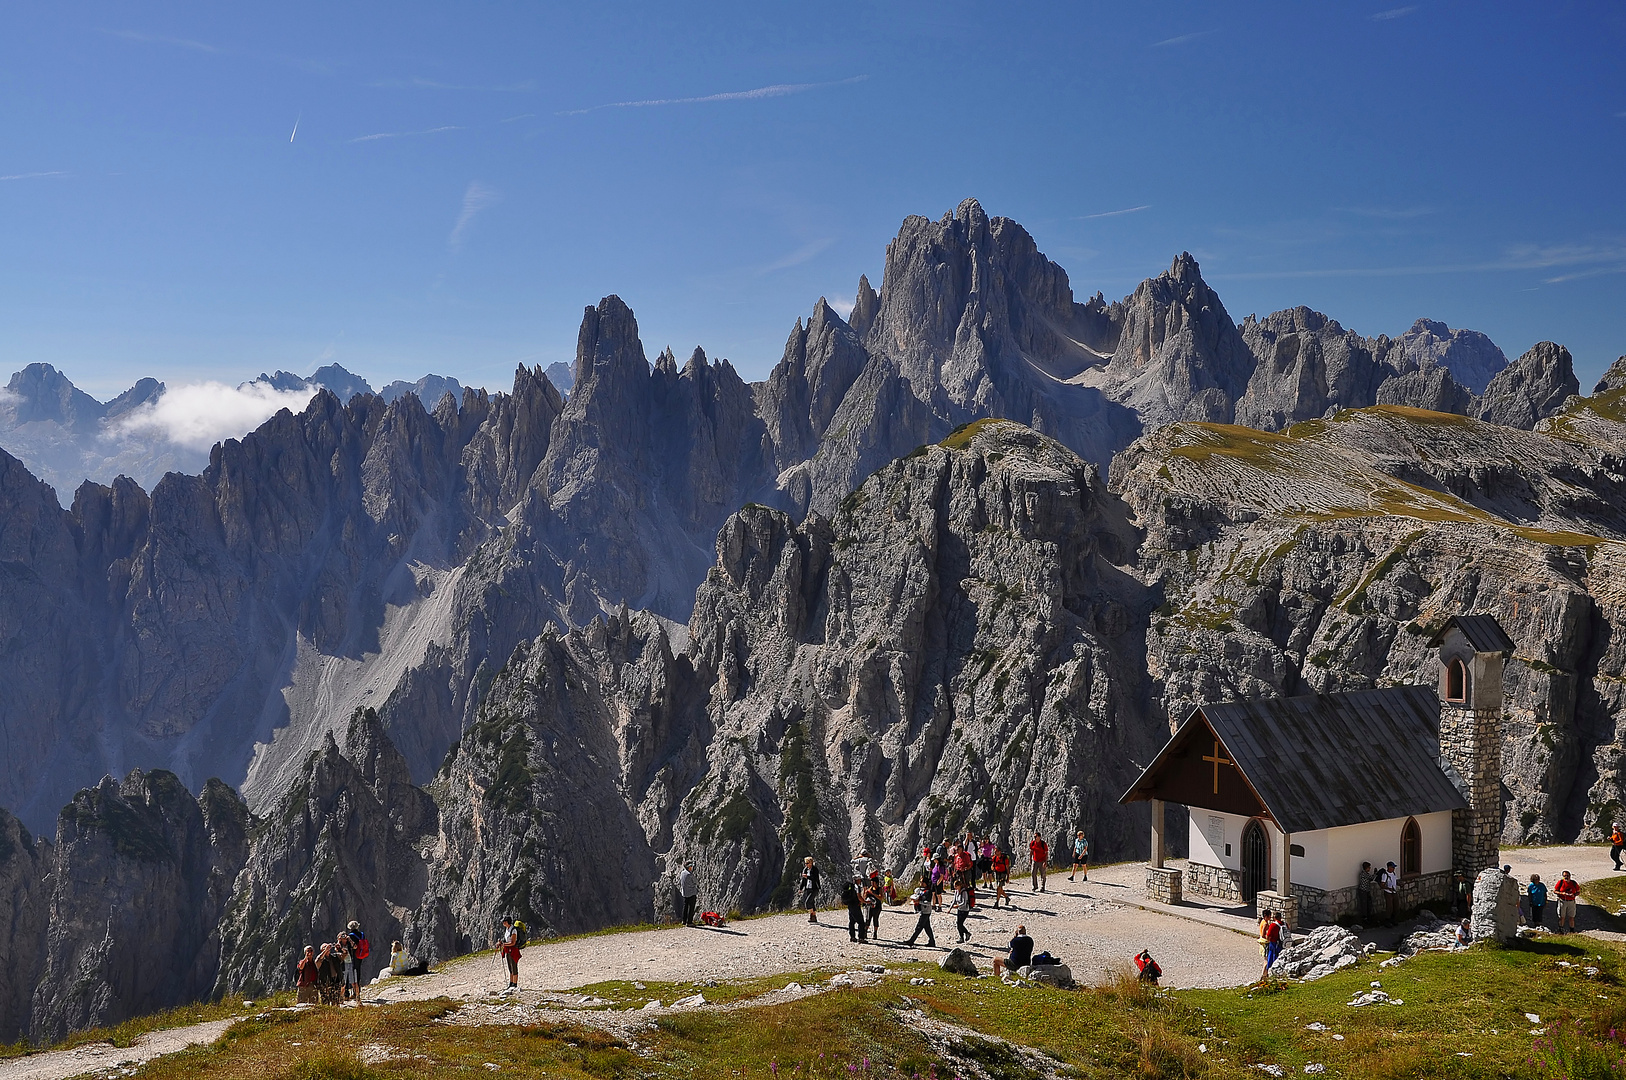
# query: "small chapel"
x,y
1288,796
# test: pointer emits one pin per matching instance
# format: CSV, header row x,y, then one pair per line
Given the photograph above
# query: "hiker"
x,y
356,944
889,888
1537,894
1273,944
1149,971
1264,921
852,896
1567,889
1617,840
348,983
1081,856
1363,892
863,866
1461,894
873,901
964,867
400,962
922,899
689,889
305,979
1001,863
964,898
936,878
1018,955
1390,881
810,888
1465,935
329,974
508,949
985,860
1041,857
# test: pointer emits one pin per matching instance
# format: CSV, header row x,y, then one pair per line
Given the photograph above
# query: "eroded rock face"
x,y
1319,561
140,877
1471,357
24,888
953,649
348,842
1532,388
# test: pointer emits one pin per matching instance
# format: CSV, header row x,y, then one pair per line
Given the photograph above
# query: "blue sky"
x,y
466,178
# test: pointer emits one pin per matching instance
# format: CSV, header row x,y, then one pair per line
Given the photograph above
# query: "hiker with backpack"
x,y
1149,971
873,899
360,949
922,899
1001,864
852,894
513,939
329,974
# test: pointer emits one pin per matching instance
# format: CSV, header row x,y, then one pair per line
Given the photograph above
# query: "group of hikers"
x,y
951,874
330,974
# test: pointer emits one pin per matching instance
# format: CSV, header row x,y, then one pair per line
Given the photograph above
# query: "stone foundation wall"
x,y
1214,881
1163,884
1329,905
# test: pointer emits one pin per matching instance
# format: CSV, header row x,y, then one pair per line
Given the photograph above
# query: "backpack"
x,y
522,934
1043,959
358,941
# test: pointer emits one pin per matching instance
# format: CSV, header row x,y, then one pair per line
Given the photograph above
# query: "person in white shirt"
x,y
1391,893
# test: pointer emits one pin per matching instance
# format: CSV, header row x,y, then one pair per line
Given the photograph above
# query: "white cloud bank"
x,y
199,415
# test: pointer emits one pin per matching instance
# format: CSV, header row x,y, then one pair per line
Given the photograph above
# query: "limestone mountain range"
x,y
522,651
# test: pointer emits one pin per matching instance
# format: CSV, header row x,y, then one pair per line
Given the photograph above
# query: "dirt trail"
x,y
1094,926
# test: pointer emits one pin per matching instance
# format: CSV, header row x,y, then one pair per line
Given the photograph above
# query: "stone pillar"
x,y
1496,907
1156,861
1471,741
1163,884
1285,903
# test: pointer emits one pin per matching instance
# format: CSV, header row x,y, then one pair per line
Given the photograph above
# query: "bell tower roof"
x,y
1482,632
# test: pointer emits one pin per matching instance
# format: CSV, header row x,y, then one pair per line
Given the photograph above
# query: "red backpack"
x,y
358,941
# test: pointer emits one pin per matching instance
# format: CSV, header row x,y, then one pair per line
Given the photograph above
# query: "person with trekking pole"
x,y
508,949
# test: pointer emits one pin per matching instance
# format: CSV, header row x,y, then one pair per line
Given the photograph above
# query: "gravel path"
x,y
102,1057
1096,927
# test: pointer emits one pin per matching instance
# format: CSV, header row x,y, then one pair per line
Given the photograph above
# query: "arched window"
x,y
1456,681
1411,848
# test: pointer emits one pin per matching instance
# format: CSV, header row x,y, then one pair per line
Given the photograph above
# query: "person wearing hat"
x,y
1461,894
1567,889
689,889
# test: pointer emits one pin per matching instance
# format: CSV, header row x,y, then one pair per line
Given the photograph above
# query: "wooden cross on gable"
x,y
1218,759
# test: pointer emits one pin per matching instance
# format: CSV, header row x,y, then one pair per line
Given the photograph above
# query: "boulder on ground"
x,y
1496,907
1048,974
1429,932
1321,952
958,962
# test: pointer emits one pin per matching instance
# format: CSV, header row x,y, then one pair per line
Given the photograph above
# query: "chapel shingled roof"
x,y
1483,632
1324,760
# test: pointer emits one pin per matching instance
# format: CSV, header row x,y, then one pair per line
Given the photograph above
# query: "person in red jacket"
x,y
1149,971
1041,859
1567,889
1002,875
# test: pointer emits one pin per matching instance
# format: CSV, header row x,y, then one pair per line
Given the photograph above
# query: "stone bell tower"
x,y
1472,650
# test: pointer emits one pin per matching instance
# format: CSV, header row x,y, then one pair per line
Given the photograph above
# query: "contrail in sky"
x,y
297,119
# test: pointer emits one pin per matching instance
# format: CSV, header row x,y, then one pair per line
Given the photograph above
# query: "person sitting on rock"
x,y
1018,955
399,960
1149,971
1465,935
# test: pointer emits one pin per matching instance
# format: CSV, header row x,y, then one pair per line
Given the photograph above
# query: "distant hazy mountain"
x,y
65,437
430,389
560,375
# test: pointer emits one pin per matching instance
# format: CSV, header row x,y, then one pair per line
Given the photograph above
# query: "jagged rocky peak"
x,y
142,874
342,844
1614,378
822,360
1306,364
866,304
39,392
1472,358
1179,356
1532,388
24,909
